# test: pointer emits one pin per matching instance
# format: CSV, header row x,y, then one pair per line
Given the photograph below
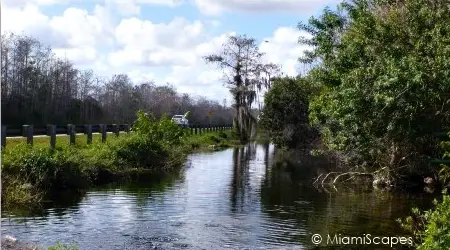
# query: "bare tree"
x,y
40,88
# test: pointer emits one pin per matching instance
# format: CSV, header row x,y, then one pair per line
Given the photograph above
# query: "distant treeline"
x,y
40,88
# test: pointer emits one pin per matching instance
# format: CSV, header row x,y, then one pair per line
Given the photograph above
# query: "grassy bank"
x,y
29,174
211,141
61,140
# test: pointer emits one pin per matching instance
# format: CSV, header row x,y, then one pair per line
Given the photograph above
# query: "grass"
x,y
212,141
61,140
205,141
29,174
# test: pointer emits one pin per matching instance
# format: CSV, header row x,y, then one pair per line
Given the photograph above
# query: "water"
x,y
234,199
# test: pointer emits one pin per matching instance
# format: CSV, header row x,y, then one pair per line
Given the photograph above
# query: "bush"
x,y
437,230
32,172
165,131
432,228
140,151
214,139
154,143
223,135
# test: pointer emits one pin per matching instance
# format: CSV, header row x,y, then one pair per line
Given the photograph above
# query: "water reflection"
x,y
251,197
288,197
243,194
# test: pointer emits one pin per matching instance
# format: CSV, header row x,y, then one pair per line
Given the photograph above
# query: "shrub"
x,y
223,135
432,228
140,151
437,230
33,172
154,143
214,138
42,167
165,131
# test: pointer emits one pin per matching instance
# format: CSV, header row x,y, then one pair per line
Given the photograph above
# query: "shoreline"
x,y
9,242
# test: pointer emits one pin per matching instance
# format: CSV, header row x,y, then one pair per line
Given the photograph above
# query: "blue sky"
x,y
162,40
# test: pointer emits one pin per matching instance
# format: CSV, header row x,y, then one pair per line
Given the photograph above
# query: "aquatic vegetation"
x,y
61,246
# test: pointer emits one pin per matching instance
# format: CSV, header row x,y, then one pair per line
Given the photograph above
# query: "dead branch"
x,y
351,173
318,177
323,180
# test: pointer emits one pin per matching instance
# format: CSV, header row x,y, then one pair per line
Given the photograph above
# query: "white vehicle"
x,y
180,120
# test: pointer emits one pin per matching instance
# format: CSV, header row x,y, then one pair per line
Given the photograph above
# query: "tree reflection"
x,y
289,198
139,186
240,185
57,205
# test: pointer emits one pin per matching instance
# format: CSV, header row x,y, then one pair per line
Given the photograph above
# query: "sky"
x,y
162,40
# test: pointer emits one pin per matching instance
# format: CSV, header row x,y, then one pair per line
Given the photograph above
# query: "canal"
x,y
241,198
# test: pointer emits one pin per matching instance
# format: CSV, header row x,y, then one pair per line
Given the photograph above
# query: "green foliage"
x,y
61,246
285,113
140,151
214,138
152,143
31,172
437,230
384,79
444,174
431,228
208,140
223,135
165,130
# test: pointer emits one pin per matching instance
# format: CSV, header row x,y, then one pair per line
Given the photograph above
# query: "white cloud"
x,y
143,34
18,3
28,18
169,3
75,34
282,48
79,56
78,27
214,7
140,76
147,43
141,47
198,78
128,8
